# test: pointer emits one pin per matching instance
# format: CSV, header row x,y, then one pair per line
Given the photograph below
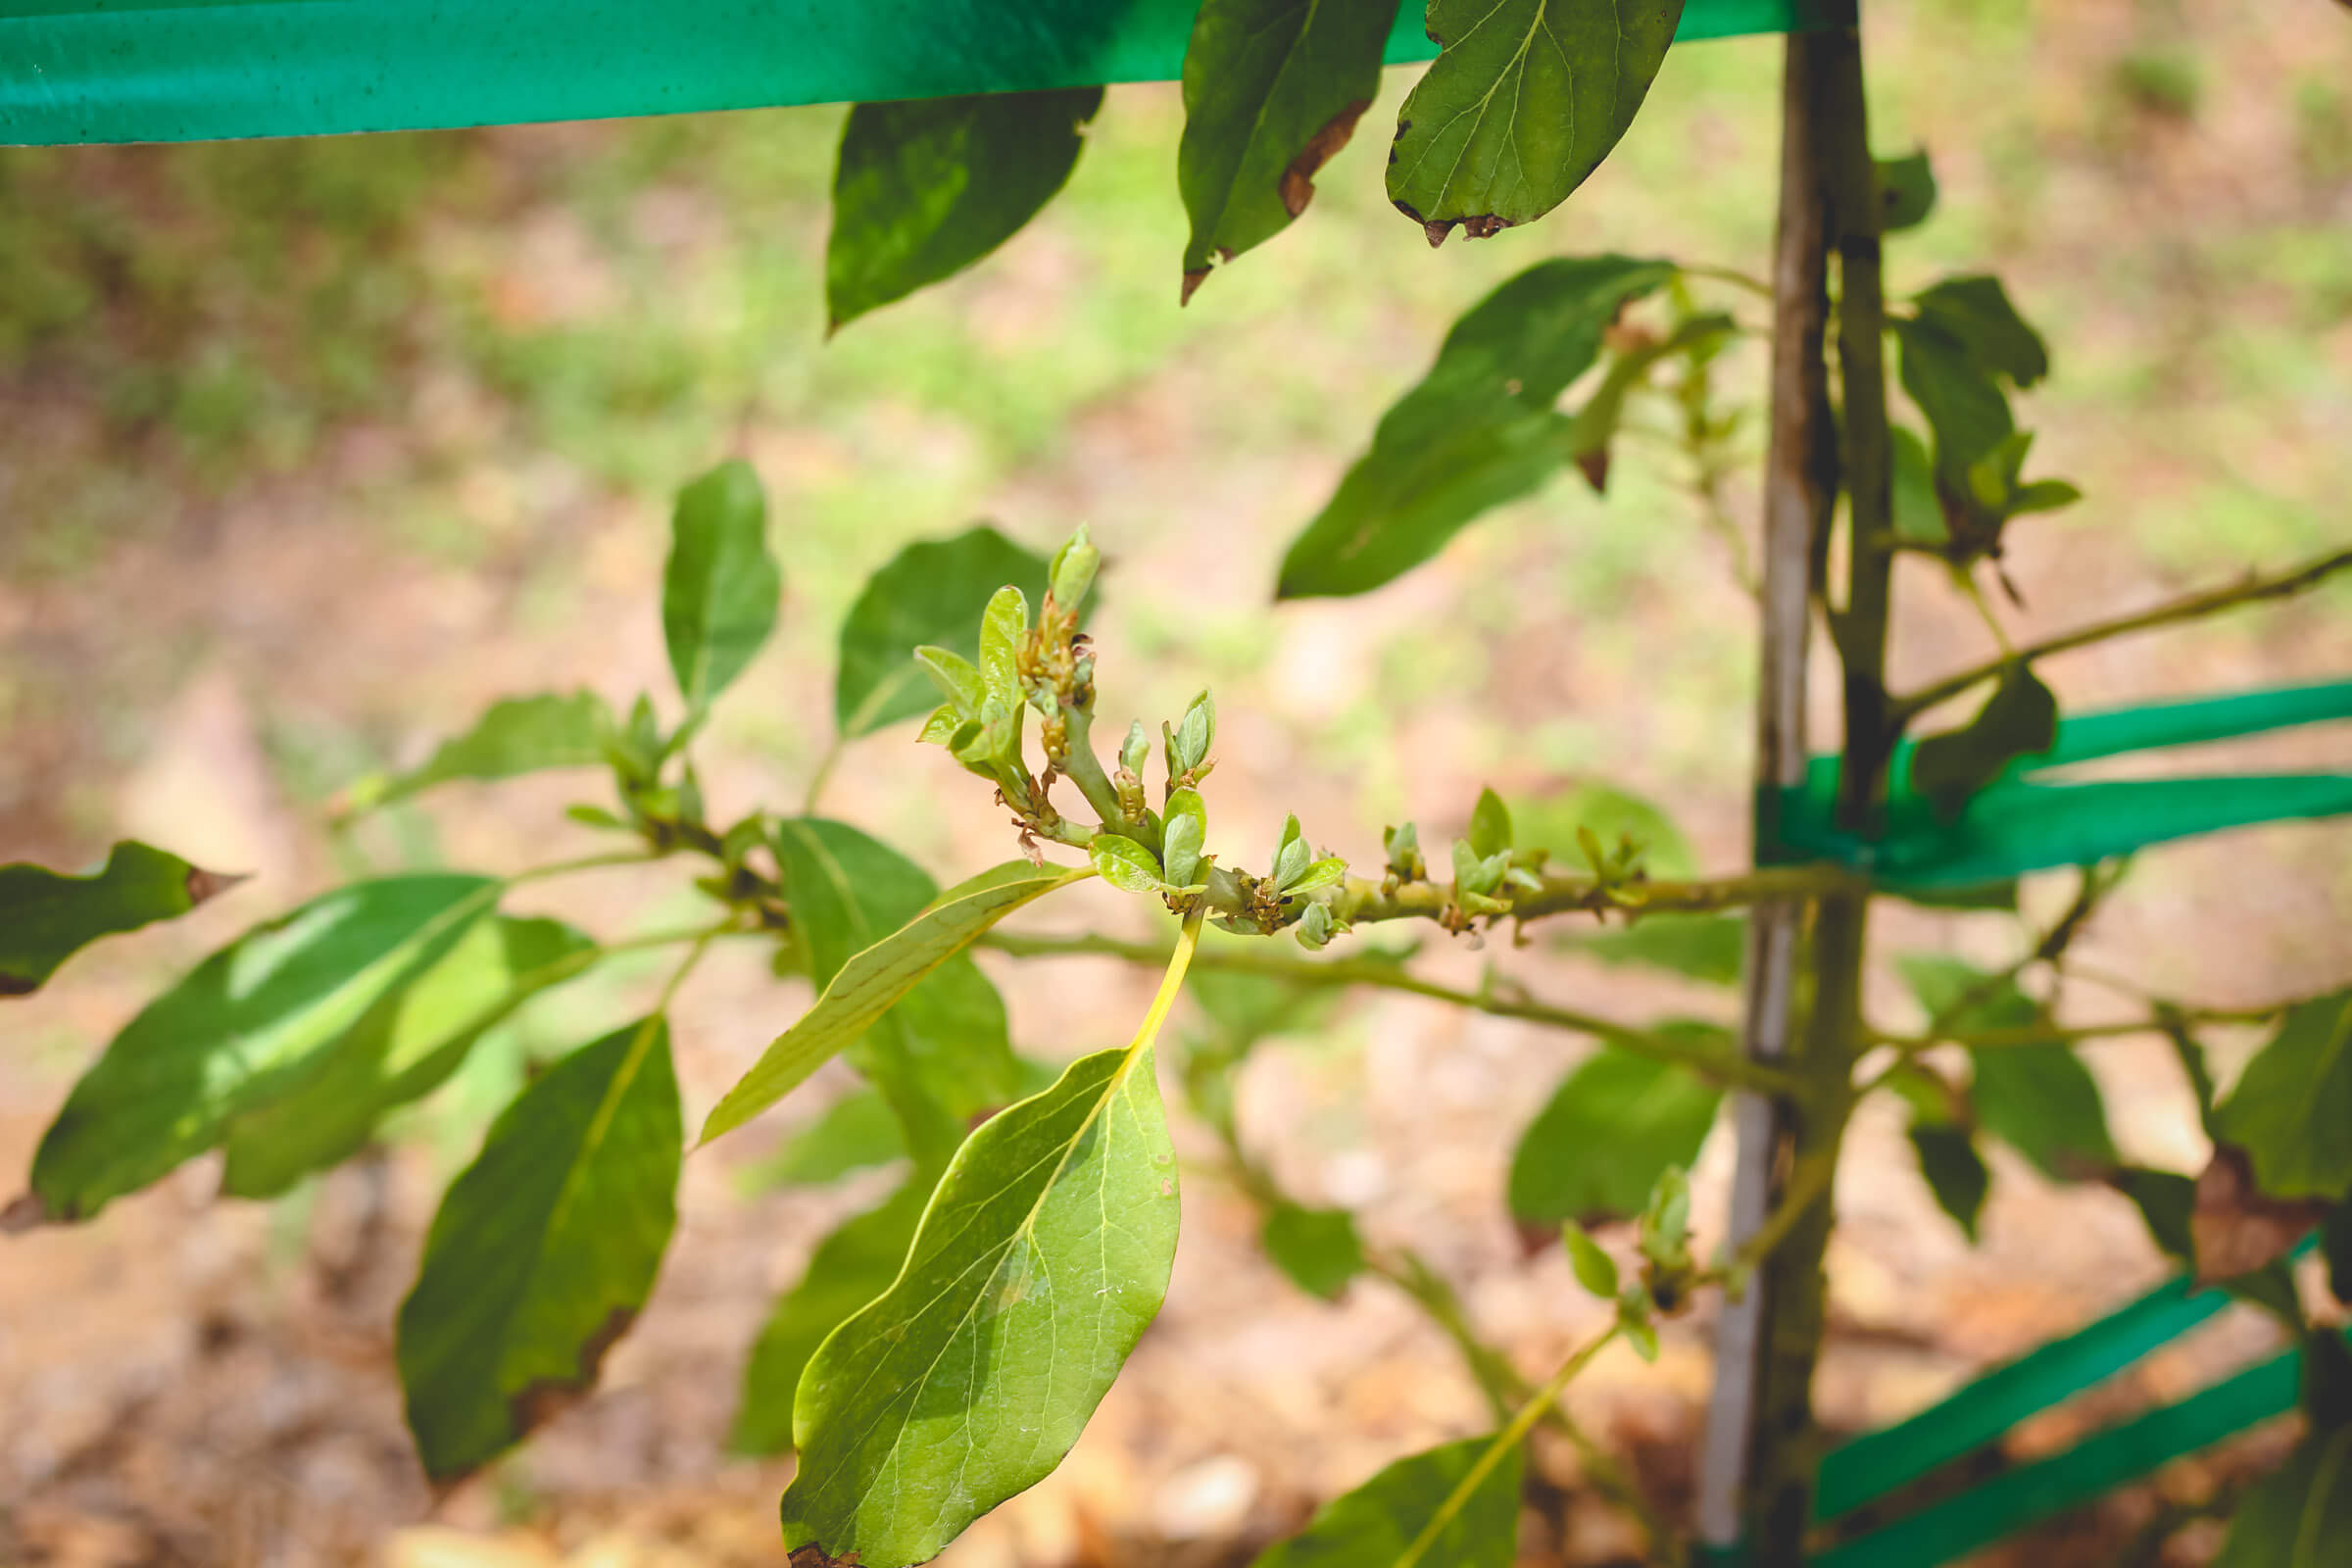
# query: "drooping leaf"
x,y
1525,99
1707,948
2292,1108
857,1131
2019,719
930,594
876,978
1977,313
402,1049
2300,1515
246,1027
1955,1172
543,1250
942,1055
520,735
1907,191
1272,89
1039,1261
849,1268
1372,1526
722,588
1551,821
47,917
1317,1247
1478,430
1611,1129
1964,406
928,186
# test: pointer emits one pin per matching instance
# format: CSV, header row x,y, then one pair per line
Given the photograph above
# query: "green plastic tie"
x,y
118,70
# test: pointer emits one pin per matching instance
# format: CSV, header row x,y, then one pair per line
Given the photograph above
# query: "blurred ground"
x,y
307,451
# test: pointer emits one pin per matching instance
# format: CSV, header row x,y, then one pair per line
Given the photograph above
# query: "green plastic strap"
x,y
116,70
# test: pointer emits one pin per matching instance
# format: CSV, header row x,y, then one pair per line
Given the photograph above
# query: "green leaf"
x,y
2300,1515
942,1054
877,977
1977,313
2165,1200
1525,99
1182,833
1919,517
1957,996
1955,1172
957,677
1124,863
246,1027
1551,821
850,1268
543,1250
1291,854
1040,1259
1317,1247
1372,1526
926,188
1614,1126
722,588
1594,428
1003,627
403,1049
1272,89
930,593
1196,732
1490,826
2292,1105
1478,430
1328,872
2019,719
1964,405
46,917
1712,948
857,1131
1907,191
1595,1270
2043,1103
517,736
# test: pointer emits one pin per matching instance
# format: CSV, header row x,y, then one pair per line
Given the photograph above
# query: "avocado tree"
x,y
947,1346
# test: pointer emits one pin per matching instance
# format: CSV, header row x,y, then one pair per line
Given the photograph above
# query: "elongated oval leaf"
x,y
1272,89
1039,1261
1610,1130
403,1049
2291,1110
719,592
2300,1515
873,980
925,188
1525,99
849,1269
1478,430
1372,1526
543,1250
247,1026
47,917
930,594
1317,1247
517,736
1124,863
942,1054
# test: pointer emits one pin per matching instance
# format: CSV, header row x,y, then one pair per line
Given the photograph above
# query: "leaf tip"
x,y
1194,278
204,885
23,1213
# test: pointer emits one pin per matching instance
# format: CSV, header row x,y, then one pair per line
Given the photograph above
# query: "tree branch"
x,y
1361,901
2190,606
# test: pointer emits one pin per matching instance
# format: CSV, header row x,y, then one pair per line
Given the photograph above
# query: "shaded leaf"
x,y
1372,1526
2166,1200
520,735
1964,406
1610,1130
1594,428
1476,431
1317,1247
1525,99
1976,312
2300,1515
1955,1170
245,1027
928,186
1040,1259
2043,1103
401,1049
849,1268
1712,948
2019,719
1272,89
543,1250
857,1131
929,594
2292,1105
876,978
2336,1242
46,917
1919,517
720,589
1907,191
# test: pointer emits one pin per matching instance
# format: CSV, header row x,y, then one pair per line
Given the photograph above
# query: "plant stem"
x,y
1361,901
1376,974
1509,1438
1085,768
1728,275
586,862
822,776
2190,606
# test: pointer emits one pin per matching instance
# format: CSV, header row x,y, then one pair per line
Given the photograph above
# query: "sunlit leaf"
x,y
722,589
1372,1526
517,736
47,917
